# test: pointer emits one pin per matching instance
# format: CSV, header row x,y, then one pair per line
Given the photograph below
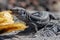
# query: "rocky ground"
x,y
17,37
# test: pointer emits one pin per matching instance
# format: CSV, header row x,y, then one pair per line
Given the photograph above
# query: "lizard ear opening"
x,y
54,2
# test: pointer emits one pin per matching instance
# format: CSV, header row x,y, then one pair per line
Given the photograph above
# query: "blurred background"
x,y
38,5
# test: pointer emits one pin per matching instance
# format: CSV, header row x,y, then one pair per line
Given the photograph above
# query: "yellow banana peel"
x,y
7,23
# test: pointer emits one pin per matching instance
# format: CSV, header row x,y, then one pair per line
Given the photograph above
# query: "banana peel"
x,y
12,27
7,23
2,20
7,17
